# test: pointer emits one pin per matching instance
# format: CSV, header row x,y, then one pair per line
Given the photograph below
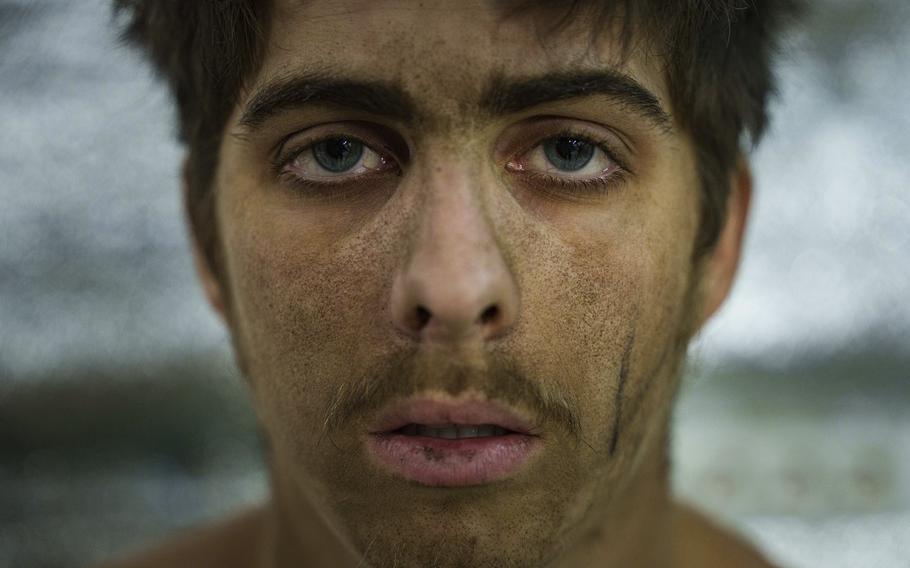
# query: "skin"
x,y
595,296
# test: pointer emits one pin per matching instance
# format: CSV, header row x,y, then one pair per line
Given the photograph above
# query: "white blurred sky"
x,y
94,266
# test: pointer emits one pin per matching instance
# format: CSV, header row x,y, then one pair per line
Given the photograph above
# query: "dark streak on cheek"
x,y
637,401
620,390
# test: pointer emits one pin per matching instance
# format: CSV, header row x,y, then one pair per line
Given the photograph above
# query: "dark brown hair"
x,y
717,57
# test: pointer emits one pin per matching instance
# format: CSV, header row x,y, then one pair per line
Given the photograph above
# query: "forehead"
x,y
443,52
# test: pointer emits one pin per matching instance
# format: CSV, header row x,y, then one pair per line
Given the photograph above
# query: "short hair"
x,y
716,56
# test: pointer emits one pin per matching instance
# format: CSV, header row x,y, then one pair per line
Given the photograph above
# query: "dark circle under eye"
x,y
338,155
568,154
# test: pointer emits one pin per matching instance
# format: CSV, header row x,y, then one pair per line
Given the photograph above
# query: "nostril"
x,y
489,314
423,316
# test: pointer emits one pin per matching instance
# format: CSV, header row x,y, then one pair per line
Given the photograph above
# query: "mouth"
x,y
452,431
444,442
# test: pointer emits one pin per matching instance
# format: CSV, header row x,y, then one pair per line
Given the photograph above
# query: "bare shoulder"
x,y
231,542
703,542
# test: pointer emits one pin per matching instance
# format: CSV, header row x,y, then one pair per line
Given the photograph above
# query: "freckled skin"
x,y
598,297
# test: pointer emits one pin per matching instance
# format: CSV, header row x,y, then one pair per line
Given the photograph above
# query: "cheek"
x,y
600,310
291,295
612,302
282,334
296,320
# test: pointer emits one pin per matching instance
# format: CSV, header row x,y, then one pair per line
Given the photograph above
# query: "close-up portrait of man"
x,y
461,249
454,284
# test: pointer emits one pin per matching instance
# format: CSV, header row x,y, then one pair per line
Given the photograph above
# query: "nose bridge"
x,y
455,285
453,222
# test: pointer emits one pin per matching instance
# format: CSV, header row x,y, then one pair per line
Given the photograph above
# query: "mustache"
x,y
406,374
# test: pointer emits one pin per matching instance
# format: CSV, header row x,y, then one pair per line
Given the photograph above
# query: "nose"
x,y
455,286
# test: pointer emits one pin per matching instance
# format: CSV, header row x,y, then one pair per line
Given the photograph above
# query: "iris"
x,y
568,154
338,155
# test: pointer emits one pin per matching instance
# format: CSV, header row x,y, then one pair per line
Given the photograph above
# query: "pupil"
x,y
338,154
568,154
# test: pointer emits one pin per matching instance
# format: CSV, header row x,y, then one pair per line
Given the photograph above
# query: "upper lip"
x,y
442,411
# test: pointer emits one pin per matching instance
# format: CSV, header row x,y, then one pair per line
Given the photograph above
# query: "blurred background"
x,y
122,417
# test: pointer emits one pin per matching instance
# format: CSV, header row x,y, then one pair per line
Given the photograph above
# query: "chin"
x,y
497,525
452,544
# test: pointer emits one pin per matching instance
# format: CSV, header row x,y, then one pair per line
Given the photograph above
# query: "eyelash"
x,y
596,186
580,187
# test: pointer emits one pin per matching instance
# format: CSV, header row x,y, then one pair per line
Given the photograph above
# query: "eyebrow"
x,y
289,93
507,95
503,95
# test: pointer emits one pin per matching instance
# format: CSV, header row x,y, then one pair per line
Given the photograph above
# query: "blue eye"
x,y
338,155
568,154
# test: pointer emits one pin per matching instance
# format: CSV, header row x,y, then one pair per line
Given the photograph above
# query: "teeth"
x,y
454,431
486,431
448,433
468,431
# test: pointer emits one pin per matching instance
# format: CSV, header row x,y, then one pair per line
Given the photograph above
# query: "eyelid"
x,y
612,143
365,133
606,147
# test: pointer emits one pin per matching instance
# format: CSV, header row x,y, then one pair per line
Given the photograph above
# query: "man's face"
x,y
464,236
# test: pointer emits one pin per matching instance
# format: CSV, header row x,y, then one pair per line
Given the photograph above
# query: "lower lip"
x,y
438,462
